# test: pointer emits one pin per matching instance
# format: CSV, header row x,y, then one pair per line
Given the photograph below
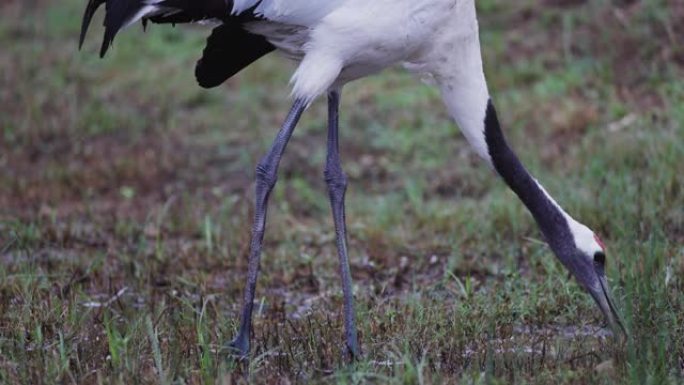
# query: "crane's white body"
x,y
337,41
362,37
357,38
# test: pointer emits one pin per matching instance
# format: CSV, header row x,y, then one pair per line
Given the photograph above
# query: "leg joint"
x,y
266,174
335,178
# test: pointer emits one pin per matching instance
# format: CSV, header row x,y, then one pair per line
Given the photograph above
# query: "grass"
x,y
125,201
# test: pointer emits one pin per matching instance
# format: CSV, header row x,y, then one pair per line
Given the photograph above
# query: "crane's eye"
x,y
600,258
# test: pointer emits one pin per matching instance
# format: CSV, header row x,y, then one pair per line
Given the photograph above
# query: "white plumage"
x,y
297,12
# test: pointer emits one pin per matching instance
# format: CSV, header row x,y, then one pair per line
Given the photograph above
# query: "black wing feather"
x,y
193,10
229,50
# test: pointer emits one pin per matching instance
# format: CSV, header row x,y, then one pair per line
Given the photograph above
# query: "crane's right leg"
x,y
266,176
337,187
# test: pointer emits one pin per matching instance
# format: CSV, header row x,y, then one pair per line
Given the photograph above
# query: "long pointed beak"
x,y
592,276
604,300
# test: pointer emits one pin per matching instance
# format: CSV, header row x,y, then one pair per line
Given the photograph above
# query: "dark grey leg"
x,y
266,176
337,186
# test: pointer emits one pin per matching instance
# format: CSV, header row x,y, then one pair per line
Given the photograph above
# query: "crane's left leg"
x,y
337,187
266,176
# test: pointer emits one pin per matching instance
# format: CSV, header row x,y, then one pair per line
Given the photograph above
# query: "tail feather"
x,y
119,14
92,6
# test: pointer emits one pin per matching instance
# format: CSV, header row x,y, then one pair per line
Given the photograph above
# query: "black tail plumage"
x,y
118,14
230,47
92,6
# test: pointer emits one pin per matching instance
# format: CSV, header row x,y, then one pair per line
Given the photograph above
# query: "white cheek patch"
x,y
585,239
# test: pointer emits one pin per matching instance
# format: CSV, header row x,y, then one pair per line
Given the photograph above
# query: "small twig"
x,y
8,244
115,297
574,358
535,241
623,123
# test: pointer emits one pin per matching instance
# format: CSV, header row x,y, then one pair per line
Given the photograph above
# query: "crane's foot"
x,y
353,351
238,347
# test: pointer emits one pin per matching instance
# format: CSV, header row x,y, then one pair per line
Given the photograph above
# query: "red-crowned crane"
x,y
335,42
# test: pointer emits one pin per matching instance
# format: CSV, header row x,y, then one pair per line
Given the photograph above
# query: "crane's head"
x,y
586,260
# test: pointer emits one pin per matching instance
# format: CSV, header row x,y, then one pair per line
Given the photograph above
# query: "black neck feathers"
x,y
548,215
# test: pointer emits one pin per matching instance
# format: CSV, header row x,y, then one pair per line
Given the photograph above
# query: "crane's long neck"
x,y
468,102
455,61
552,219
477,118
